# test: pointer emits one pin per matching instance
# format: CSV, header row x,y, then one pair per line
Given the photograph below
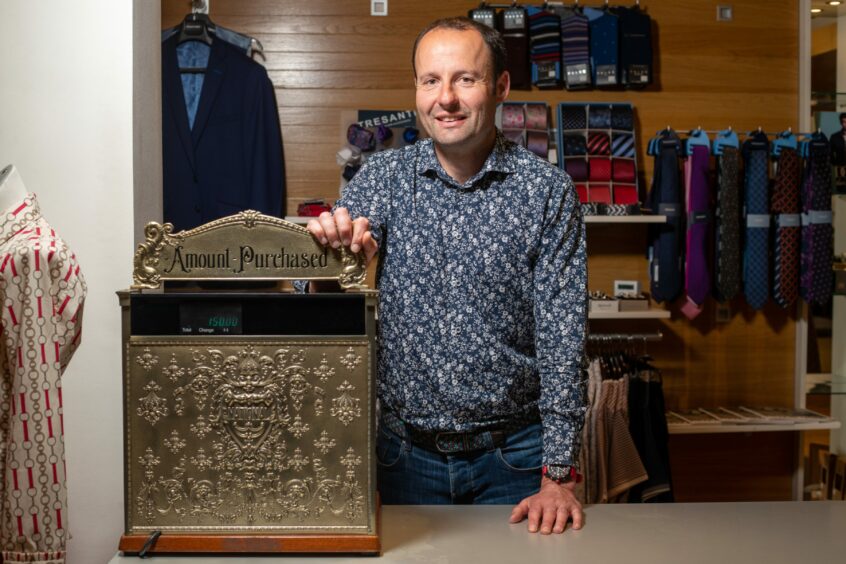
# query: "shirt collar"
x,y
18,216
498,161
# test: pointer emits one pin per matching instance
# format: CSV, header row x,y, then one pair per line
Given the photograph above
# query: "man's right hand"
x,y
338,229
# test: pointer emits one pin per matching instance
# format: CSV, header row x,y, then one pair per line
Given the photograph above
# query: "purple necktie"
x,y
816,278
698,197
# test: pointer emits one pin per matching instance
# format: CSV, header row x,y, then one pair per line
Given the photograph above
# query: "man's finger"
x,y
534,519
316,230
561,520
327,221
519,511
578,517
370,246
360,225
548,520
344,225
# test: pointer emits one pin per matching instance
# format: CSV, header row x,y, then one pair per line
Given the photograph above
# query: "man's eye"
x,y
466,80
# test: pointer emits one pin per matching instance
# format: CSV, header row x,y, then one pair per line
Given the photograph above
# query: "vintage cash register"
x,y
249,414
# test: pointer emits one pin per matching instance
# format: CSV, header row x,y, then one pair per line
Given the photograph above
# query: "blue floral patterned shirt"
x,y
482,292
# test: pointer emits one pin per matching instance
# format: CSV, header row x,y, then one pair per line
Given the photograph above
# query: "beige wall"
x,y
66,122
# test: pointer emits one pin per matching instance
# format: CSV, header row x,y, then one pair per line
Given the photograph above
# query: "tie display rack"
x,y
597,148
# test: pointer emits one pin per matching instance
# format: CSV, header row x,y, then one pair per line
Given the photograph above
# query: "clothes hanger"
x,y
196,27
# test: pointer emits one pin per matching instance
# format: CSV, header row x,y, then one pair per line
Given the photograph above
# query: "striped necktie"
x,y
785,206
756,286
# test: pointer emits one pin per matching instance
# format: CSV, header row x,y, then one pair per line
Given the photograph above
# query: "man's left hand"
x,y
550,508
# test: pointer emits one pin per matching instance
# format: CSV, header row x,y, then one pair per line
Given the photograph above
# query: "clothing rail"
x,y
759,130
657,336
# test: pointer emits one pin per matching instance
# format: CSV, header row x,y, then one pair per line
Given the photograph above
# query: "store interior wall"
x,y
66,122
325,57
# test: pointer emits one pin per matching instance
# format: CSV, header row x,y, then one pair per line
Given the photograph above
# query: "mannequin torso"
x,y
12,189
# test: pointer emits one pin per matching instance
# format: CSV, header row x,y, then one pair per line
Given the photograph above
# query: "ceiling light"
x,y
816,10
834,3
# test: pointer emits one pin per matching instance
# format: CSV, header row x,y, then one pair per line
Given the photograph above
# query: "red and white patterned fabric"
x,y
42,292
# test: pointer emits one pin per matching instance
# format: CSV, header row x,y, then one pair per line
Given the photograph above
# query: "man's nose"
x,y
446,95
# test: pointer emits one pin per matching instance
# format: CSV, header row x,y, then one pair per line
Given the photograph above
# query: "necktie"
x,y
517,136
635,28
575,51
816,277
574,117
785,204
538,143
756,200
727,279
512,23
599,117
600,169
574,145
622,145
545,47
698,197
582,191
603,46
513,116
598,143
622,117
577,169
666,248
537,116
623,171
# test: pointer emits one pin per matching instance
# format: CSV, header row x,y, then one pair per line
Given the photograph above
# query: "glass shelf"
x,y
825,385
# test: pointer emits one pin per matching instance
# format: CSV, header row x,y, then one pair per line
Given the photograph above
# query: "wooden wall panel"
x,y
326,56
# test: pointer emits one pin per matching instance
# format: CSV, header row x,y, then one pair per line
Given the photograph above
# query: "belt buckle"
x,y
444,435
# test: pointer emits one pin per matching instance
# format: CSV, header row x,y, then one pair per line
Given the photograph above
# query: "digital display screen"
x,y
210,318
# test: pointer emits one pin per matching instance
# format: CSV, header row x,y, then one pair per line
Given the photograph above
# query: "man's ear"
x,y
502,87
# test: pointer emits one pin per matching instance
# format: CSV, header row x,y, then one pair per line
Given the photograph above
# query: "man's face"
x,y
456,93
843,123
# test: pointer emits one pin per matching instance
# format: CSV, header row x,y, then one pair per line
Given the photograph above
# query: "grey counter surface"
x,y
691,533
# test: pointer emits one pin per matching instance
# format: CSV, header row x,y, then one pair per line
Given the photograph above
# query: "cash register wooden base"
x,y
256,544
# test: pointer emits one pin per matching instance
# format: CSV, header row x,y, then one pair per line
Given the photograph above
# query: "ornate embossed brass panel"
x,y
249,434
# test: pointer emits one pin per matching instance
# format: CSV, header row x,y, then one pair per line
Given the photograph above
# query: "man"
x,y
838,143
482,294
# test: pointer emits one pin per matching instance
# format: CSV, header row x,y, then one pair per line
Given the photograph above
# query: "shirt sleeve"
x,y
43,296
368,195
560,288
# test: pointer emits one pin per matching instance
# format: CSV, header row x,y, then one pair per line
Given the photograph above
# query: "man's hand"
x,y
550,508
338,229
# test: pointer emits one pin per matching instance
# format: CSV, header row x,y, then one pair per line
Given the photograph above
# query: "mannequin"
x,y
42,291
12,189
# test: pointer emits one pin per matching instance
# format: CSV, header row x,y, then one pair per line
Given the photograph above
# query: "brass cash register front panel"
x,y
234,435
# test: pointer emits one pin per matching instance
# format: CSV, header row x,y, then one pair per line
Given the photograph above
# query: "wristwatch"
x,y
561,474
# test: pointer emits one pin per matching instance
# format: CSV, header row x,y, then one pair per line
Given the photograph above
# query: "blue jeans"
x,y
411,475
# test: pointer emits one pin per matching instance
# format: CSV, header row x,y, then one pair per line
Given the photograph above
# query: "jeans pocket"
x,y
389,450
525,461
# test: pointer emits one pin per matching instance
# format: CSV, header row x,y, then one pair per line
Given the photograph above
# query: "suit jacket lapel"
x,y
172,90
215,72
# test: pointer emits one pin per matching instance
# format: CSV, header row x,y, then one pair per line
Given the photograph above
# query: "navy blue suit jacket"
x,y
232,159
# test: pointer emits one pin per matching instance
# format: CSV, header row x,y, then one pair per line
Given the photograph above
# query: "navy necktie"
x,y
756,203
727,280
816,274
666,248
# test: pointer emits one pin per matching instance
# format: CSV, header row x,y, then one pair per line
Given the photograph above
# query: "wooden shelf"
x,y
708,428
625,219
648,314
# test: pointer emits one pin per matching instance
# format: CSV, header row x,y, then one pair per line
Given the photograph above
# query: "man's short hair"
x,y
843,115
491,37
